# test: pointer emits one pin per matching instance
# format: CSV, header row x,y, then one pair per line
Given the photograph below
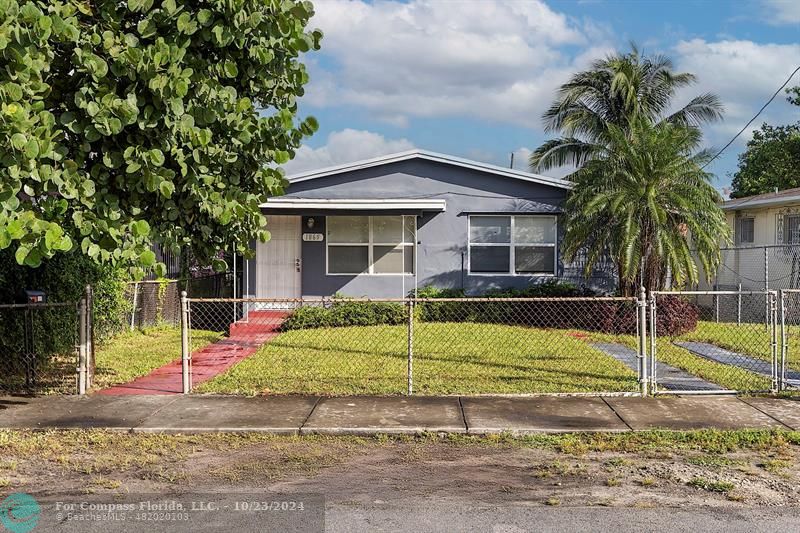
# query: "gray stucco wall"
x,y
442,237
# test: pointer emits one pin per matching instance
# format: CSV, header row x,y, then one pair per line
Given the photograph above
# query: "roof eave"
x,y
431,156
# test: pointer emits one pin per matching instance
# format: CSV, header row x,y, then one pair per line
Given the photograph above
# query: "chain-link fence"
x,y
39,347
421,346
789,320
157,302
750,268
713,341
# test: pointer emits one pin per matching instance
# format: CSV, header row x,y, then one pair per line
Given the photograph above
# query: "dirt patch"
x,y
365,471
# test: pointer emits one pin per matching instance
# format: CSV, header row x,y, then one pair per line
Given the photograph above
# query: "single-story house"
x,y
766,235
382,227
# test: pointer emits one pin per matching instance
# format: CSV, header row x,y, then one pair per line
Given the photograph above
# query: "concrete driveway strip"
x,y
360,415
690,412
78,412
785,410
201,413
543,414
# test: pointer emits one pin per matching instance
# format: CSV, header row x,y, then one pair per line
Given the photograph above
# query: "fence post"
x,y
186,376
716,303
89,336
410,390
653,344
774,340
784,340
82,346
766,285
739,306
135,303
642,308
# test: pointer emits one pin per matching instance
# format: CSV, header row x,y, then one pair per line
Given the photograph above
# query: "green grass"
x,y
449,358
728,376
130,355
711,486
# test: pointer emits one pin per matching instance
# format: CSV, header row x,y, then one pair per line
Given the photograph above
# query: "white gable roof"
x,y
431,156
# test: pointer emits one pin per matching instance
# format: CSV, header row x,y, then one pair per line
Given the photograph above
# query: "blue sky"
x,y
471,78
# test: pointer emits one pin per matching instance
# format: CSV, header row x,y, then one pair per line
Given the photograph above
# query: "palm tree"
x,y
615,91
645,198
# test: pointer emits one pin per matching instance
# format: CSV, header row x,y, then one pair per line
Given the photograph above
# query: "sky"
x,y
471,78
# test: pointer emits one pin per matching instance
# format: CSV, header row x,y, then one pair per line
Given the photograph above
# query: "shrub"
x,y
676,315
342,313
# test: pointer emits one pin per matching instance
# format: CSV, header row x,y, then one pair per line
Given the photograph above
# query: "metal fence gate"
x,y
789,319
711,342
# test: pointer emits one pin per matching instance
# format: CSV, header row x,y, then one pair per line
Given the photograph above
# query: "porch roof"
x,y
322,206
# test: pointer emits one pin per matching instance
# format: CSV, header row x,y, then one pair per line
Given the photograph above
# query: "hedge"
x,y
676,315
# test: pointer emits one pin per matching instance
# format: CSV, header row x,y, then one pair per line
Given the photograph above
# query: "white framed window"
x,y
511,245
745,230
379,245
791,229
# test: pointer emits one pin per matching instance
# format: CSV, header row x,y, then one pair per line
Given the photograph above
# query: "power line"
x,y
752,119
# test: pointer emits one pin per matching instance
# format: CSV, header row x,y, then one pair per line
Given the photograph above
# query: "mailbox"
x,y
33,297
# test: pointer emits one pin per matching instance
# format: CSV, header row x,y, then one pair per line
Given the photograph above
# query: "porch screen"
x,y
371,244
508,245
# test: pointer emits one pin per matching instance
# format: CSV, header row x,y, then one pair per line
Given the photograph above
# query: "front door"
x,y
278,259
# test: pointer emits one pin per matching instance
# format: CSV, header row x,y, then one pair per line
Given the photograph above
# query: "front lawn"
x,y
130,355
449,358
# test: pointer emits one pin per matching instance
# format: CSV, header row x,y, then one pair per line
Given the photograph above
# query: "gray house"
x,y
385,226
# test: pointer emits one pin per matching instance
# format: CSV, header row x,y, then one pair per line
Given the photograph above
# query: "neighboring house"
x,y
382,227
766,235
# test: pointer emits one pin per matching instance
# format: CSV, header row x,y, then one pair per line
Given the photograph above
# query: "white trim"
x,y
354,204
742,203
431,156
370,244
512,248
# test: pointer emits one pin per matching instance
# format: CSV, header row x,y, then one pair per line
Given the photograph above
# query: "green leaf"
x,y
140,228
21,253
52,237
219,265
18,141
147,258
32,149
167,188
157,157
230,69
160,270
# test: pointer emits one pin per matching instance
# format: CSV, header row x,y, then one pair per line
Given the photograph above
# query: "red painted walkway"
x,y
246,337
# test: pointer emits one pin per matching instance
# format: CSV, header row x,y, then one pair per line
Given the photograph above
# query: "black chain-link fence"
x,y
39,347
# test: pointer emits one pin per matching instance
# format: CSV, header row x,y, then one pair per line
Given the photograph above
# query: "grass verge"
x,y
130,355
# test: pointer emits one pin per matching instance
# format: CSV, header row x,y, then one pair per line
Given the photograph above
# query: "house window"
x,y
371,245
745,230
502,244
791,229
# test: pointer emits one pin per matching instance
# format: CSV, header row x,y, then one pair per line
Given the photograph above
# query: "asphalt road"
x,y
422,515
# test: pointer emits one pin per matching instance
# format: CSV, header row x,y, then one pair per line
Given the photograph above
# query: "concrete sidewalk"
x,y
365,415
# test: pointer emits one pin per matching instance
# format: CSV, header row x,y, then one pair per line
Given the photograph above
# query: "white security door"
x,y
278,260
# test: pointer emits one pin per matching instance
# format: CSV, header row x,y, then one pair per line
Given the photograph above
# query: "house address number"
x,y
312,237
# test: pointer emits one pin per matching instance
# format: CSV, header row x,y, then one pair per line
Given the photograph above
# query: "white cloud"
x,y
744,74
782,11
345,146
494,60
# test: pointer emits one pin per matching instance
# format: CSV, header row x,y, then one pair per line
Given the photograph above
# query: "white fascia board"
x,y
356,204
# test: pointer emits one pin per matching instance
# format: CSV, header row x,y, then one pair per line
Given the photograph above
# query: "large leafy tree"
x,y
616,91
123,123
771,159
646,198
